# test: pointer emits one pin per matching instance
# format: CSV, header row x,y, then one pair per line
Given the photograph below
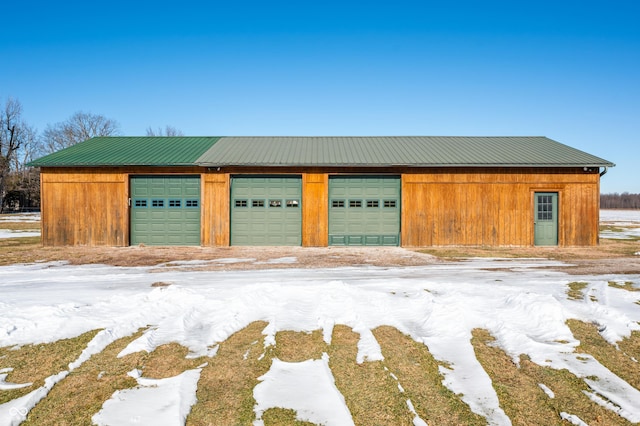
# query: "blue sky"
x,y
568,70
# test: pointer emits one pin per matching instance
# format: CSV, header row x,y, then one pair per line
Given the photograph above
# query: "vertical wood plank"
x,y
315,209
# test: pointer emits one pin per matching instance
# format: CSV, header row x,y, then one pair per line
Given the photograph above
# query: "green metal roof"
x,y
378,151
130,151
415,151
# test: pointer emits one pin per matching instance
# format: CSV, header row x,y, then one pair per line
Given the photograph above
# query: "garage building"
x,y
321,191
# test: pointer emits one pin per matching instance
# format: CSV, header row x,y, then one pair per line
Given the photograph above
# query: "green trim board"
x,y
266,210
364,210
165,210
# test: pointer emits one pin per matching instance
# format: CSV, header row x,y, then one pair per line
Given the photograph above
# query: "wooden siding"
x,y
440,207
315,210
88,207
495,207
215,209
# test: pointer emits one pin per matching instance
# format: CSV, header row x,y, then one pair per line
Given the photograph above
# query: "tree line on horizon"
x,y
620,201
21,143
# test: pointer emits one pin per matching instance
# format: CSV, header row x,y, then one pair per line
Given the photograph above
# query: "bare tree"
x,y
79,127
620,201
15,134
168,131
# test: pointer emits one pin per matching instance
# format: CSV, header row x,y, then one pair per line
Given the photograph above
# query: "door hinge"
x,y
129,202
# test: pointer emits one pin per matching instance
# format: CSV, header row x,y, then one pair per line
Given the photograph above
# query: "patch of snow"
x,y
573,419
307,387
521,302
546,390
20,217
4,385
152,402
620,216
233,260
8,233
417,421
280,260
14,412
627,220
624,234
608,405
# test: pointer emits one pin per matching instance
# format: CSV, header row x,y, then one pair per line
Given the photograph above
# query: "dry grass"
x,y
627,285
34,363
520,396
631,345
525,402
608,248
618,361
282,417
371,394
74,400
225,389
371,390
169,360
294,346
20,226
575,291
19,250
421,380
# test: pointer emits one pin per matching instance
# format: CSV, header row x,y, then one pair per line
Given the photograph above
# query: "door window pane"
x,y
545,207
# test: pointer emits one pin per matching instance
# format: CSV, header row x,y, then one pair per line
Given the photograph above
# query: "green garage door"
x,y
165,210
266,211
364,211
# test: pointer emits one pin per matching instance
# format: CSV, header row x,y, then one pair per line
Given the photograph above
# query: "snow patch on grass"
x,y
521,302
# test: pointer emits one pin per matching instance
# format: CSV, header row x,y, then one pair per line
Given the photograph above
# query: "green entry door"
x,y
364,210
546,219
165,210
266,211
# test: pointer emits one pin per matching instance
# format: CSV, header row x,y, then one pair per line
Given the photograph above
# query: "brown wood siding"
x,y
88,207
315,210
440,207
215,209
494,207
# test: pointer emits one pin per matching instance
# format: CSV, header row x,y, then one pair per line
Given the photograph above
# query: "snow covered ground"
x,y
8,233
522,304
628,222
20,217
520,301
620,216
